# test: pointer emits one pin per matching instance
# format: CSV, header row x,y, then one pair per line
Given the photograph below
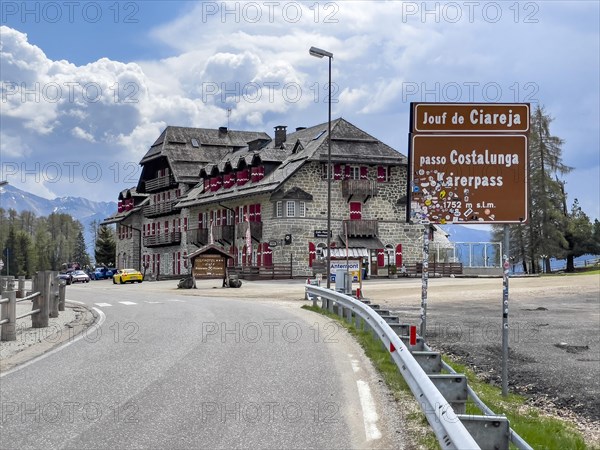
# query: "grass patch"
x,y
537,428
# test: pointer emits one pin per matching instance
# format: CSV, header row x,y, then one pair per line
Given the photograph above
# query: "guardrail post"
x,y
53,306
9,311
323,303
62,288
41,285
21,289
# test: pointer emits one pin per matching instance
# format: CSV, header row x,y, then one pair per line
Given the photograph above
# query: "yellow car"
x,y
127,276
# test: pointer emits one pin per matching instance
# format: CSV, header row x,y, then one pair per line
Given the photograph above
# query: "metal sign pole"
x,y
505,311
424,281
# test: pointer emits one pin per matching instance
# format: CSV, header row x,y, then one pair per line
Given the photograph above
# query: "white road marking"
x,y
175,300
153,303
355,365
370,416
62,346
102,305
128,303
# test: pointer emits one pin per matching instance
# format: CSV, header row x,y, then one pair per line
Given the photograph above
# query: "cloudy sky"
x,y
88,86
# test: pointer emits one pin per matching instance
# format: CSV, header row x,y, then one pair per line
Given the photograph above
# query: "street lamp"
x,y
319,53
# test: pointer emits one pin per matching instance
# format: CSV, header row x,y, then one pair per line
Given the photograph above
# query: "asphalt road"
x,y
164,370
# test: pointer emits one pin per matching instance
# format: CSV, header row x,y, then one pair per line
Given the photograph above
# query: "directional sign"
x,y
469,178
471,118
468,162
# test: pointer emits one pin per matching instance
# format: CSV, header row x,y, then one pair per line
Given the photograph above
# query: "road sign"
x,y
470,118
468,162
273,243
469,178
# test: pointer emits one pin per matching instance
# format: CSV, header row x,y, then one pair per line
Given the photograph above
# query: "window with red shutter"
x,y
267,255
257,215
347,172
312,253
380,257
355,210
337,172
251,213
364,173
381,174
399,256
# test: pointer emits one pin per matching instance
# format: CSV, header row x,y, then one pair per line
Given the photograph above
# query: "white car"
x,y
79,276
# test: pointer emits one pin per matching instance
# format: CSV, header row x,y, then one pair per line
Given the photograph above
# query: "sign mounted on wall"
x,y
468,163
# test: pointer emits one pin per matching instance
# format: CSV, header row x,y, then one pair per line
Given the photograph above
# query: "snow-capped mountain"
x,y
84,210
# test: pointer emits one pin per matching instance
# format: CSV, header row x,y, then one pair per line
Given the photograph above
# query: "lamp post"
x,y
319,53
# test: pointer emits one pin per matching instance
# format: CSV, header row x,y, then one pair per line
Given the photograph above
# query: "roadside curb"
x,y
64,336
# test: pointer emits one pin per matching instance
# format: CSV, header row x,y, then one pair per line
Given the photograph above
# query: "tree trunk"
x,y
547,263
570,263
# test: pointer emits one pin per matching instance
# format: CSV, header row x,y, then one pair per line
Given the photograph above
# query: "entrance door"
x,y
373,261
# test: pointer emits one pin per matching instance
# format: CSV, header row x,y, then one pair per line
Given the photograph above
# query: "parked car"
x,y
66,277
79,276
104,273
127,276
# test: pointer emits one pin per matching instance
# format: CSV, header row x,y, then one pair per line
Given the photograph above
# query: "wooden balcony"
x,y
255,230
359,189
160,209
197,236
223,234
158,240
362,228
159,183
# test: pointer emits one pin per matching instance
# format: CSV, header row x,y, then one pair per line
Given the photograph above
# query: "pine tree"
x,y
80,254
106,246
544,233
579,236
10,253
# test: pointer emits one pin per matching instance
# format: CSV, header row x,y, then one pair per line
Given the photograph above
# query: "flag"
x,y
248,240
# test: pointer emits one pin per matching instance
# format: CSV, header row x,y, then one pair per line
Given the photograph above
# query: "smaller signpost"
x,y
468,164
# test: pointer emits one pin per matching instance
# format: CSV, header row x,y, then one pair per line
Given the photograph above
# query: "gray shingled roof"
x,y
348,143
185,160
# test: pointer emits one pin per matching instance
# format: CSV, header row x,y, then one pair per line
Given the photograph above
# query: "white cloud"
x,y
82,134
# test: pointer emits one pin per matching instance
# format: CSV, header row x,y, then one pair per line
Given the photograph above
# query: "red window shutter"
x,y
312,253
380,257
381,174
346,172
185,224
399,255
261,173
267,255
355,210
120,206
206,184
251,213
153,229
364,172
257,215
200,220
337,172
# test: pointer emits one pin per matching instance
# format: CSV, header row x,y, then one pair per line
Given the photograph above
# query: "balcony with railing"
x,y
255,230
197,236
223,234
362,189
160,209
159,183
362,228
157,240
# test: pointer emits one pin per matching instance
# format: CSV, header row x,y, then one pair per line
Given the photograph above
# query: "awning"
x,y
368,243
352,252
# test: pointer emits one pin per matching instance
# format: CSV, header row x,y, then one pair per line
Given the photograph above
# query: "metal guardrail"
x,y
449,430
377,320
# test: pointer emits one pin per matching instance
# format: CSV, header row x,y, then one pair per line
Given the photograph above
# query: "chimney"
x,y
222,130
300,128
280,135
